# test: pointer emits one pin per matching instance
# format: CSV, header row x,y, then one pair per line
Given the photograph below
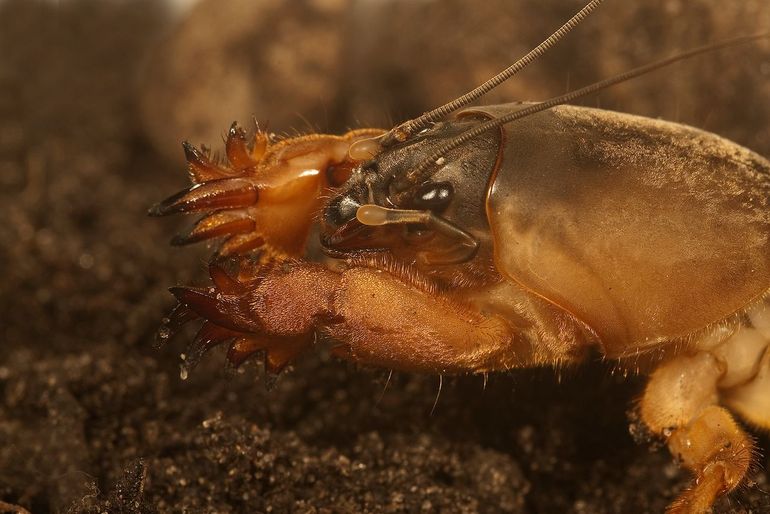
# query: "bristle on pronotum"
x,y
229,193
219,224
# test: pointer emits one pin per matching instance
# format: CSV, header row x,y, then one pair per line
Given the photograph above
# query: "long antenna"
x,y
403,131
417,173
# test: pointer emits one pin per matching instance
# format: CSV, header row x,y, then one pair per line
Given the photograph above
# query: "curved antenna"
x,y
417,173
403,131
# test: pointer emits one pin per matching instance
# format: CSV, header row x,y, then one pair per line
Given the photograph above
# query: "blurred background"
x,y
95,98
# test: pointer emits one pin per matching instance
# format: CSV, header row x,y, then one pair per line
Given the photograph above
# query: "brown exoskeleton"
x,y
507,236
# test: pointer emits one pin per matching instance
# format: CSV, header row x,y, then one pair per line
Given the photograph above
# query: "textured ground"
x,y
94,98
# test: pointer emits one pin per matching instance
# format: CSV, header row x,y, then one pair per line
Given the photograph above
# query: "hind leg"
x,y
752,400
680,404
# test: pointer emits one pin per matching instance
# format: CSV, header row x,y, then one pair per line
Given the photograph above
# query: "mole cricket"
x,y
503,237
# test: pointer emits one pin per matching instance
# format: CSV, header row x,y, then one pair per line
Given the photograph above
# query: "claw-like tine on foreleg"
x,y
241,350
259,145
200,167
279,351
240,244
171,324
212,305
219,224
230,193
237,150
223,281
209,336
278,356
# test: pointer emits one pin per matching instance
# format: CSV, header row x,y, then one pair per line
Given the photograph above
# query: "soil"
x,y
94,98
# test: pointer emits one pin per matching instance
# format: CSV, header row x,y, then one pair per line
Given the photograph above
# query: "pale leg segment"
x,y
750,397
681,405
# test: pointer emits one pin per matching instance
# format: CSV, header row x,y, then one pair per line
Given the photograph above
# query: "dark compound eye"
x,y
433,196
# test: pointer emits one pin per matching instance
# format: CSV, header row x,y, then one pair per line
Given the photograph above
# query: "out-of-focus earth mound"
x,y
95,97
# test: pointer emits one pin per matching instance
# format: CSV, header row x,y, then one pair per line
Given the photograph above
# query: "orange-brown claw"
x,y
171,324
208,336
220,304
229,193
239,244
278,351
200,167
284,351
259,145
266,195
240,351
219,224
224,281
227,320
237,149
212,306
